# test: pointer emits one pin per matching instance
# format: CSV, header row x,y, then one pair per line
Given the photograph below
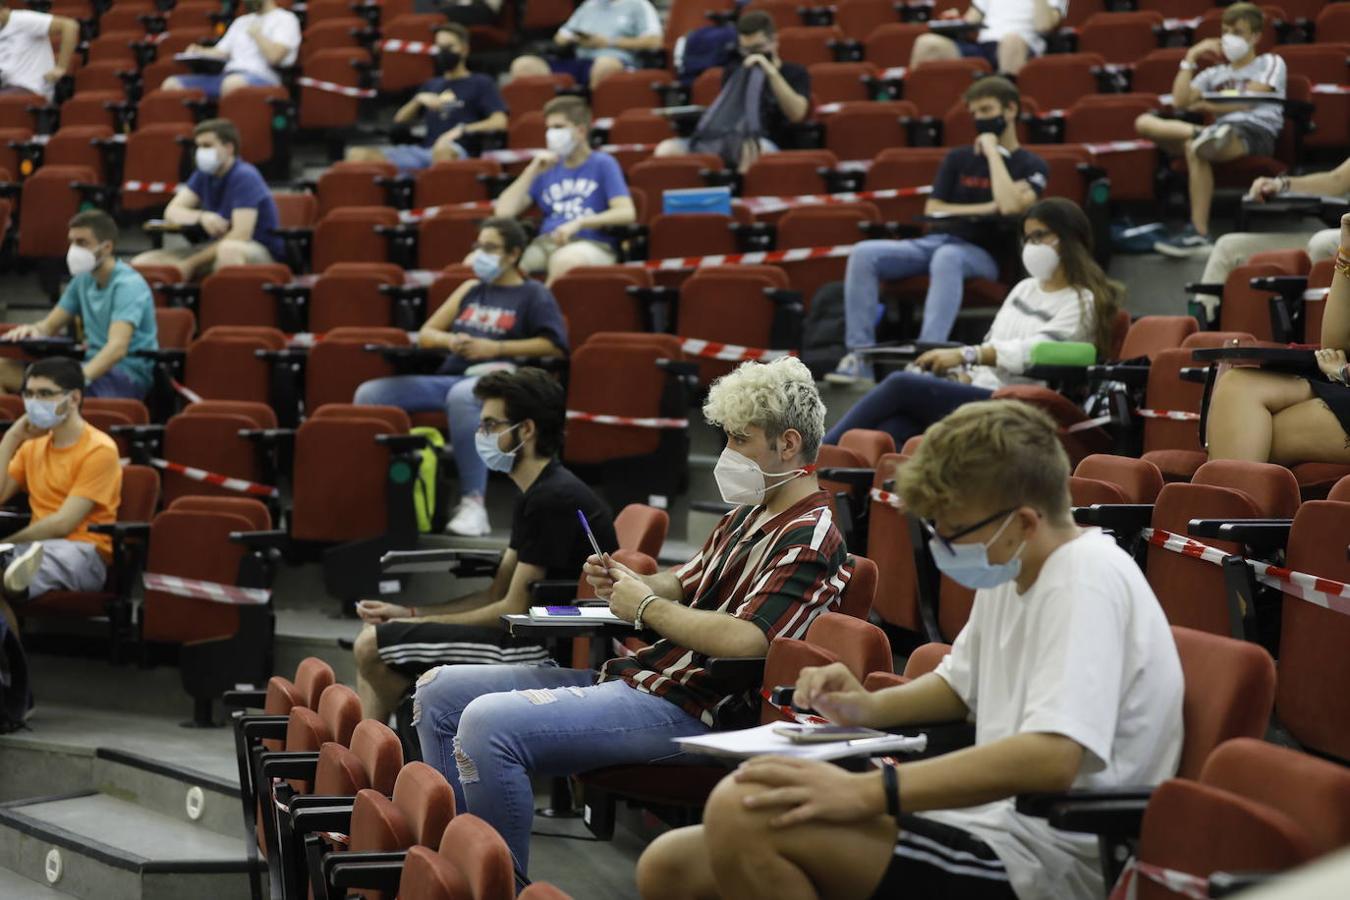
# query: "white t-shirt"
x,y
1005,17
1031,316
1085,653
279,25
26,52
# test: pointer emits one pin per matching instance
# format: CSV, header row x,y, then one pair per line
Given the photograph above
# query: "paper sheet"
x,y
762,741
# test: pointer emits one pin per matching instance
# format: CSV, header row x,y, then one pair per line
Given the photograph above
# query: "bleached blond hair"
x,y
774,396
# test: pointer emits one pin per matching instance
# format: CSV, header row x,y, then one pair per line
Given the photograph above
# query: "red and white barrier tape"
x,y
1331,89
239,485
506,157
418,48
1117,147
678,263
774,204
332,87
626,421
793,715
880,496
426,212
1315,294
206,590
185,392
730,352
1324,592
1183,883
151,187
1176,415
894,73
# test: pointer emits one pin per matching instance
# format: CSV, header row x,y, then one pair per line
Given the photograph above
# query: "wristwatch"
x,y
970,355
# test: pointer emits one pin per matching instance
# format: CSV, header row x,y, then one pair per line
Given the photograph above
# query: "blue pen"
x,y
590,536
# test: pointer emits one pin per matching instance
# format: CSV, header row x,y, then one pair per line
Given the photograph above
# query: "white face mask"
x,y
741,481
560,141
1235,47
207,159
80,260
1040,261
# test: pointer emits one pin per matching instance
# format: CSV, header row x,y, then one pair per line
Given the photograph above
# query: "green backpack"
x,y
430,512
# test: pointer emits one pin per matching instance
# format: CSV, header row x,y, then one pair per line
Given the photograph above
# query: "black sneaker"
x,y
1185,245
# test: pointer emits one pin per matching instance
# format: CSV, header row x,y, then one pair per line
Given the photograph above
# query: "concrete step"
x,y
94,845
14,886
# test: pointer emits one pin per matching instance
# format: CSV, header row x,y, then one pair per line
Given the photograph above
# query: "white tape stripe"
x,y
206,590
730,352
1315,294
227,482
880,496
680,263
1175,415
151,187
529,153
774,204
414,47
332,87
631,422
1088,424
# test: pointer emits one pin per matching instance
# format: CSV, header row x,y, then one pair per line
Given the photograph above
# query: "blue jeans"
x,y
424,393
946,260
116,382
488,728
210,84
906,403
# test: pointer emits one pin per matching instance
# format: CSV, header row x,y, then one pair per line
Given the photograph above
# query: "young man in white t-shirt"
x,y
27,64
1067,666
1238,130
255,45
1011,32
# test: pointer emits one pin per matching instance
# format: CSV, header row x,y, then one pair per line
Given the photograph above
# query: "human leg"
x,y
1013,53
116,383
950,266
672,147
677,866
536,256
462,409
915,399
61,566
527,65
208,84
576,254
1170,134
364,154
447,149
411,393
868,264
378,686
408,157
498,725
231,252
1309,432
928,47
1233,250
603,67
1242,412
1322,245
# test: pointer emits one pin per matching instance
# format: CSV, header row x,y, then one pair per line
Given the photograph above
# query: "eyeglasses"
x,y
493,426
948,540
1038,237
42,394
489,248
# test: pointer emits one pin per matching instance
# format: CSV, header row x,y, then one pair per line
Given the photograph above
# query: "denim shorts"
x,y
210,84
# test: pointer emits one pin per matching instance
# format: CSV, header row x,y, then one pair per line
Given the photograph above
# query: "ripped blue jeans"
x,y
488,728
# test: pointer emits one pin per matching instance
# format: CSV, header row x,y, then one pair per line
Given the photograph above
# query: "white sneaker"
x,y
22,568
470,519
1211,140
851,369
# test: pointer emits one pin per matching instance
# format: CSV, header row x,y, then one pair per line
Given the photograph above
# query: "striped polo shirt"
x,y
779,576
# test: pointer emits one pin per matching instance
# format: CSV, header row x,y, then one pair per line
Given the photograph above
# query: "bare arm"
x,y
410,110
184,208
513,601
1337,181
1336,317
1011,198
435,332
51,324
68,31
119,342
243,220
1045,17
931,206
59,524
641,42
536,346
495,122
620,212
516,198
794,105
273,51
711,633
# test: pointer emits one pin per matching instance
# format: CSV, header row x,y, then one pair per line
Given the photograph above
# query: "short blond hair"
x,y
774,396
1250,13
1002,452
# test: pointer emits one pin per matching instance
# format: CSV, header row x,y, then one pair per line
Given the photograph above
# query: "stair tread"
x,y
133,829
14,886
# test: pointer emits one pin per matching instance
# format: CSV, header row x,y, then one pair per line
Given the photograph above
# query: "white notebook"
x,y
588,615
762,741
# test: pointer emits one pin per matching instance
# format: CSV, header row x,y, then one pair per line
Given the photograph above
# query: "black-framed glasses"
x,y
489,248
1039,236
493,426
947,540
42,394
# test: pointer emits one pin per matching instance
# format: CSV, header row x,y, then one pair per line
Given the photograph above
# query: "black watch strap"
x,y
890,778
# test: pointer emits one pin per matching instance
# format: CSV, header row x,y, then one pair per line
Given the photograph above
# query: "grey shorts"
x,y
67,566
255,253
536,256
1258,141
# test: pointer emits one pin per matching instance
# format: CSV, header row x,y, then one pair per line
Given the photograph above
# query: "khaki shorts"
x,y
541,249
255,254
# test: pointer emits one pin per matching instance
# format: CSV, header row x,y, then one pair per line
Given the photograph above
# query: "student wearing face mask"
x,y
450,106
994,177
115,306
579,191
72,477
228,198
488,321
520,431
1067,297
1067,668
1238,129
769,567
263,39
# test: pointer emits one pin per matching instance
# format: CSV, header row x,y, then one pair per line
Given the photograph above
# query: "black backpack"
x,y
823,330
15,696
733,119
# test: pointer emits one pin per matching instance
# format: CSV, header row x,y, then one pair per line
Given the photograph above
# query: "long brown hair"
x,y
1071,226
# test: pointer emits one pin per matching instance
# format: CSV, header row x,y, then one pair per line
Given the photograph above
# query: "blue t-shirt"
x,y
565,194
127,298
241,186
476,98
507,313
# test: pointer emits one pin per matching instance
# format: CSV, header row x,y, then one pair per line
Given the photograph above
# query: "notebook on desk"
x,y
575,615
765,741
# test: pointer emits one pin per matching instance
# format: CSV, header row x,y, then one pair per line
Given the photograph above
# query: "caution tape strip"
x,y
419,48
1315,294
1183,883
798,254
506,157
730,352
1176,415
1109,147
229,483
774,204
426,212
886,497
185,392
1331,89
332,87
206,590
793,715
626,421
151,187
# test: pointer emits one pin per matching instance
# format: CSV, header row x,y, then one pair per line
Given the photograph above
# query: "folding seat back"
x,y
154,160
785,661
1172,442
348,294
808,45
1138,480
909,167
296,210
1322,63
958,128
526,131
690,234
328,109
864,20
191,16
238,295
79,145
1230,690
448,280
1056,80
312,678
253,110
447,237
1091,491
841,82
1273,488
338,363
857,643
353,234
426,799
479,852
1244,308
207,437
174,327
16,110
92,108
860,130
642,528
628,90
638,126
1154,72
427,875
1149,335
871,445
9,156
593,303
1120,37
889,547
1313,638
673,173
706,86
402,71
938,85
529,93
457,181
729,309
329,34
860,592
165,107
788,173
1333,24
821,226
353,184
115,46
1098,118
49,200
222,365
596,367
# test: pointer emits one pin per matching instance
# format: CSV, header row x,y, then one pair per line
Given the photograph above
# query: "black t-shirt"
x,y
964,178
771,116
476,98
545,530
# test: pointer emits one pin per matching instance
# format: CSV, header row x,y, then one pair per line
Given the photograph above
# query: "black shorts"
x,y
936,860
988,51
1337,399
413,647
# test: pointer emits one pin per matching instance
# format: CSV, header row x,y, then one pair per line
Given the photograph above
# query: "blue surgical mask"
x,y
493,456
968,564
42,413
487,266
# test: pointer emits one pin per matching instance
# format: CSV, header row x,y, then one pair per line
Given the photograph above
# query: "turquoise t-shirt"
x,y
127,298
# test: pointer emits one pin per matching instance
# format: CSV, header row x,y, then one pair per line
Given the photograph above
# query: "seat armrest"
x,y
11,521
264,727
289,765
402,562
261,540
747,669
553,592
120,530
401,443
270,436
163,354
349,873
1117,517
859,479
1209,290
1041,804
322,818
1263,534
783,297
241,699
319,801
1132,375
1113,818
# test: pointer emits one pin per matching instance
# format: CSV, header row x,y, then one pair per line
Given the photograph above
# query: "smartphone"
x,y
819,734
563,610
590,536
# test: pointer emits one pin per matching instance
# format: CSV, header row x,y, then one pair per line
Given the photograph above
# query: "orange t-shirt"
x,y
88,468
